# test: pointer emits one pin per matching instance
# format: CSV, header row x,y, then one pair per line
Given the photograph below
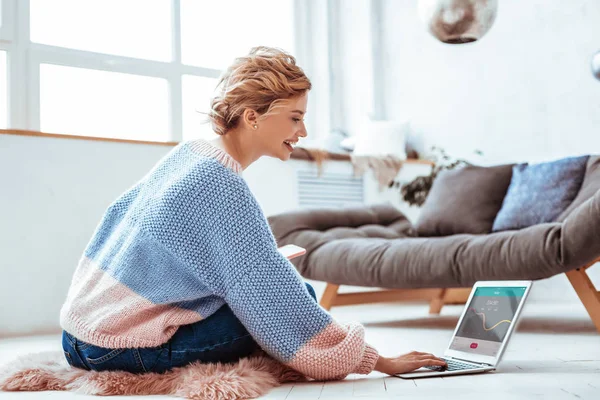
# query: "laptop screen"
x,y
487,319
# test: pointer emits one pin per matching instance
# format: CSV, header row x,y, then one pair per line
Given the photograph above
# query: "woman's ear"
x,y
250,118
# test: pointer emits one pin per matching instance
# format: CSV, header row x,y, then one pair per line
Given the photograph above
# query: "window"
x,y
132,69
101,103
213,33
3,91
131,28
197,93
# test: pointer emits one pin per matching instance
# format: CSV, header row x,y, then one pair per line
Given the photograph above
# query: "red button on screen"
x,y
473,345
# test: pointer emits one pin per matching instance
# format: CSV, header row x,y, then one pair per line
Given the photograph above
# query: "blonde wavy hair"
x,y
262,81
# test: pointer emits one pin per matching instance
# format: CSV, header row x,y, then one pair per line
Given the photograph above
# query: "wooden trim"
x,y
319,155
437,297
382,296
80,137
587,292
299,153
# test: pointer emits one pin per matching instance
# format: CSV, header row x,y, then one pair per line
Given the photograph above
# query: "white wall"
x,y
523,92
53,194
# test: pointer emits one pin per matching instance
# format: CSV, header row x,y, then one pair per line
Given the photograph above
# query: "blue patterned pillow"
x,y
538,193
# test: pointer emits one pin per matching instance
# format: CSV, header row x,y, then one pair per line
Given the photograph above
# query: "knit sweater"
x,y
186,239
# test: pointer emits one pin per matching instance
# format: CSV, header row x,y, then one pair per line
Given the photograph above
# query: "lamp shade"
x,y
458,21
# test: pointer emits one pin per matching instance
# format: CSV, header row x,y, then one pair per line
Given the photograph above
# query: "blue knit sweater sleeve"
x,y
211,221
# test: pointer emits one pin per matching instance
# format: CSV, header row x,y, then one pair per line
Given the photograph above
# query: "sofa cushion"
x,y
464,200
312,228
539,193
590,185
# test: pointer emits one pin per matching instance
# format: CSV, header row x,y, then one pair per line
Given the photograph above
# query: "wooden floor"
x,y
555,354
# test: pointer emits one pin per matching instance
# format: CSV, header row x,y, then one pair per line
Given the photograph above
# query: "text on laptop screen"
x,y
488,317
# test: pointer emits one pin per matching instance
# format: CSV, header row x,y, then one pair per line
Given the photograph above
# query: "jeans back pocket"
x,y
106,355
104,359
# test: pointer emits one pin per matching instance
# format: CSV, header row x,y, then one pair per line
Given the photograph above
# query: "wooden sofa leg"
x,y
448,296
587,292
328,298
437,302
457,295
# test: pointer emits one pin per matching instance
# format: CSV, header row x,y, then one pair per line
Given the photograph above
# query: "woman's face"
x,y
285,125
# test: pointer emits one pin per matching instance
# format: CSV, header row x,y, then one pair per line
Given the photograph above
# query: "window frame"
x,y
7,28
7,44
25,57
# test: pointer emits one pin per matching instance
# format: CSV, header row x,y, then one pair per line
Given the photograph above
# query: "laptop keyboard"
x,y
453,365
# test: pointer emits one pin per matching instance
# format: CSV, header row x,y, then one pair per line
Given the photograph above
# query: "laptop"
x,y
483,330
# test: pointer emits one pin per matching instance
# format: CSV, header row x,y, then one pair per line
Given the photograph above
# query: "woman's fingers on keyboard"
x,y
433,361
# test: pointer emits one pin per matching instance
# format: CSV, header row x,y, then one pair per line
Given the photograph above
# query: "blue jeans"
x,y
219,338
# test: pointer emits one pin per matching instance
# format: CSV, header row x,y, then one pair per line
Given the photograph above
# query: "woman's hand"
x,y
407,362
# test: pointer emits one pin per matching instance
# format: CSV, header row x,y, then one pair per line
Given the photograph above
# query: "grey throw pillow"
x,y
539,193
465,200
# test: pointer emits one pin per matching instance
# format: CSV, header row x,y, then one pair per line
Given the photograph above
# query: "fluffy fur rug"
x,y
249,378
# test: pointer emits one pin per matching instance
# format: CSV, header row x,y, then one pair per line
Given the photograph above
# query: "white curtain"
x,y
339,45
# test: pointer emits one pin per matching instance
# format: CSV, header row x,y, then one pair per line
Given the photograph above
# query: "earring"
x,y
255,126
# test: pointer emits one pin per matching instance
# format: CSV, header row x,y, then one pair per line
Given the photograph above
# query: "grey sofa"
x,y
377,246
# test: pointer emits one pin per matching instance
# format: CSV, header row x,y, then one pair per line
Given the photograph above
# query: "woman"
x,y
183,266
